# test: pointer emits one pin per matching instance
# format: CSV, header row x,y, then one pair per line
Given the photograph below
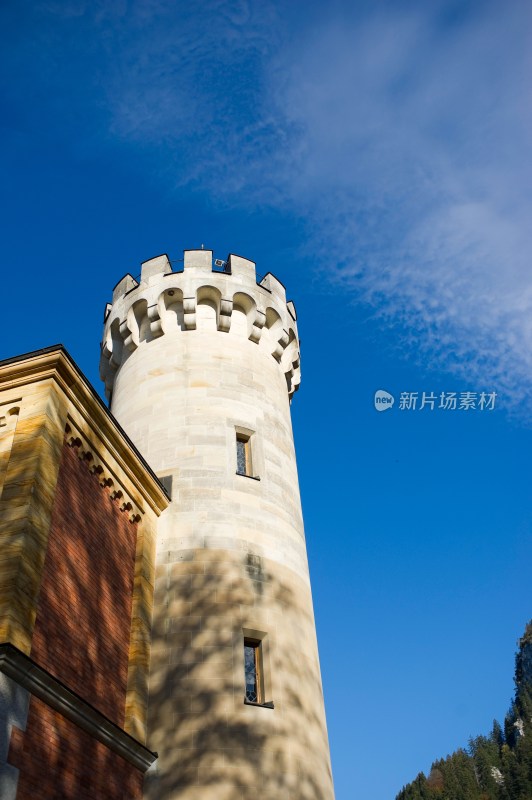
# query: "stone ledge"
x,y
43,685
258,705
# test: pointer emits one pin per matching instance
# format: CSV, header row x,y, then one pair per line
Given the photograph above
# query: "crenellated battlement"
x,y
225,297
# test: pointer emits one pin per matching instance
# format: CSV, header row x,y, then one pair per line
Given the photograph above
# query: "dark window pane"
x,y
241,459
250,667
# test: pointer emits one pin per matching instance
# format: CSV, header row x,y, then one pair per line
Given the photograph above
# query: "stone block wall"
x,y
193,361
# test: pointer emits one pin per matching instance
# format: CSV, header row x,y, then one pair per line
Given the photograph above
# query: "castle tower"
x,y
200,365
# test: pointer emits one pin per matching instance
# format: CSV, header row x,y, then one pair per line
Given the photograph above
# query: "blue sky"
x,y
376,157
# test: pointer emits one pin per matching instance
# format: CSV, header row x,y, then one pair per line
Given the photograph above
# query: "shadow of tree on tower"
x,y
211,744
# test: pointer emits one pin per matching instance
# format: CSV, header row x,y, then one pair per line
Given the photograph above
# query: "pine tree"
x,y
417,790
485,754
495,767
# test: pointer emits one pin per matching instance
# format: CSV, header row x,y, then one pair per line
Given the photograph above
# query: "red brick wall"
x,y
58,761
81,636
83,620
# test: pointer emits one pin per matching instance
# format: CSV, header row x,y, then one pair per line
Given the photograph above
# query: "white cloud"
x,y
419,171
402,137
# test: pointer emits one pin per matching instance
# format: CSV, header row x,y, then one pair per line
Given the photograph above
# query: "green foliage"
x,y
494,767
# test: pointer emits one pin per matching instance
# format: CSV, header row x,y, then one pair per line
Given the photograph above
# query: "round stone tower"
x,y
200,365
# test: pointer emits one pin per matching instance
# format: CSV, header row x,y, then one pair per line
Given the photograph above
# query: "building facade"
x,y
78,515
157,632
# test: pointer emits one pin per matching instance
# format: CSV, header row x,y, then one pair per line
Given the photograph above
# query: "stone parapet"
x,y
164,299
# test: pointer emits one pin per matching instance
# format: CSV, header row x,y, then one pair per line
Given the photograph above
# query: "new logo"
x,y
383,400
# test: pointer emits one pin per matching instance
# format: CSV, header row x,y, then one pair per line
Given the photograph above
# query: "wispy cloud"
x,y
420,158
400,133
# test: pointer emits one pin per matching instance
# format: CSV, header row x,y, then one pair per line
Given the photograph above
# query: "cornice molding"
x,y
54,363
51,691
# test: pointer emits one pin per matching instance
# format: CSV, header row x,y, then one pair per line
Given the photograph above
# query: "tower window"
x,y
253,670
243,455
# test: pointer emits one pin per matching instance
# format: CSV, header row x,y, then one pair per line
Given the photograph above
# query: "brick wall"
x,y
58,761
81,636
84,611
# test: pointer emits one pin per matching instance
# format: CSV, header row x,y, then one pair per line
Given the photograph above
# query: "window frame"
x,y
259,640
256,644
250,441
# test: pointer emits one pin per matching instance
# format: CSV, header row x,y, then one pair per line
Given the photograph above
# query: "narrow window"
x,y
243,454
253,670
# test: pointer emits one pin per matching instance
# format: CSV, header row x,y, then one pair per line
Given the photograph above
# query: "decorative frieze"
x,y
97,466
